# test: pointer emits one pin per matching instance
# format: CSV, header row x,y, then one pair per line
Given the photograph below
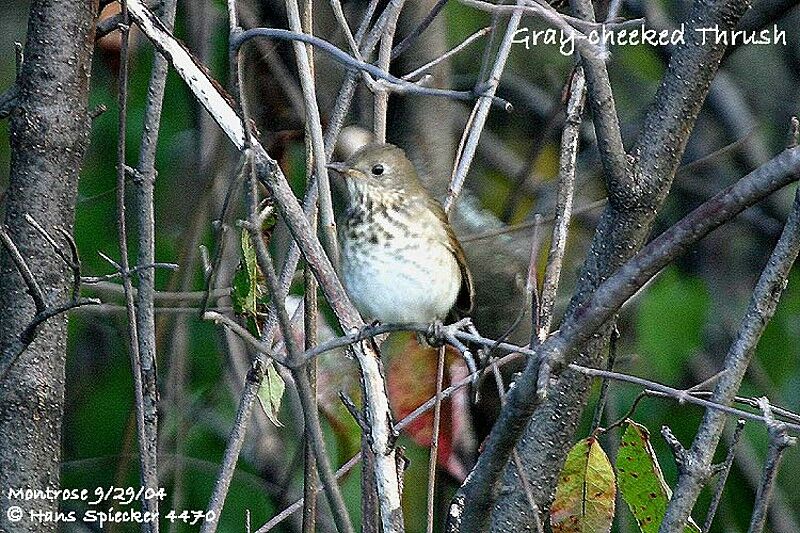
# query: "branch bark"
x,y
49,136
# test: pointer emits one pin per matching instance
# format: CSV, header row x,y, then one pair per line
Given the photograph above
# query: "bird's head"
x,y
378,170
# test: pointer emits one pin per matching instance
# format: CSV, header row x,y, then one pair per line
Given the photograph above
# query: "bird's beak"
x,y
339,167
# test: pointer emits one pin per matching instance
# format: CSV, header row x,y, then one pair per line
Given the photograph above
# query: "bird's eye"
x,y
377,170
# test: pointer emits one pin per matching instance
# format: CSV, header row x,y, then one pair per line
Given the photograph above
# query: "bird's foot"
x,y
436,335
439,334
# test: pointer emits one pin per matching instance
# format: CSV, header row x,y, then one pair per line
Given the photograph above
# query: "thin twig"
x,y
453,51
434,454
10,355
72,261
22,267
523,477
390,82
723,477
603,397
481,112
549,219
310,303
310,478
763,303
414,34
381,103
779,440
532,285
146,458
566,191
312,423
314,126
144,190
679,453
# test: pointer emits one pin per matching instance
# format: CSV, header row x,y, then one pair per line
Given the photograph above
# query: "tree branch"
x,y
762,306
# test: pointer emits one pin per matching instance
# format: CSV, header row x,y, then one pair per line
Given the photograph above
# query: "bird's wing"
x,y
466,295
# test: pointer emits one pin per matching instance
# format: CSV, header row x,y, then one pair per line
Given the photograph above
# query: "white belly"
x,y
407,281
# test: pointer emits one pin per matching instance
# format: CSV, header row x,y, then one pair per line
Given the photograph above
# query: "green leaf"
x,y
270,393
585,493
641,482
246,289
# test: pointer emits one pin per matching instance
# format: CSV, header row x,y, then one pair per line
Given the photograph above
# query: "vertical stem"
x,y
381,104
310,478
566,192
145,305
314,127
434,455
779,440
481,112
723,477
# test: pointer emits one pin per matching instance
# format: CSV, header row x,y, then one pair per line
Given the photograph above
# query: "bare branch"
x,y
456,49
144,187
723,477
566,191
476,494
12,353
778,442
391,83
381,104
762,306
314,126
480,112
32,286
145,436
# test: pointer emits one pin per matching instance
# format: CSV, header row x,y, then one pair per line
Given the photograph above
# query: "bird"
x,y
400,261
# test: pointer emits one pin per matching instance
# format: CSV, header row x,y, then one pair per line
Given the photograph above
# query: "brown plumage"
x,y
401,260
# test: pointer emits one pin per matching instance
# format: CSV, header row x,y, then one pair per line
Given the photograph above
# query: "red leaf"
x,y
411,380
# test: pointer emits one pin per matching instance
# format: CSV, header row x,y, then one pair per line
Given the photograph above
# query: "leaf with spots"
x,y
641,482
586,490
